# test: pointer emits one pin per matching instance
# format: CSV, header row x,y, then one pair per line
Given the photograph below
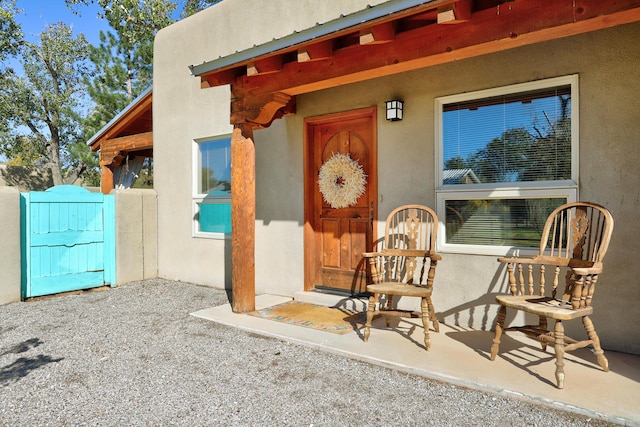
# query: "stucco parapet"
x,y
236,23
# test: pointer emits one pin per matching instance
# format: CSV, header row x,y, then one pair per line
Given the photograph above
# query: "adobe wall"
x,y
9,245
136,235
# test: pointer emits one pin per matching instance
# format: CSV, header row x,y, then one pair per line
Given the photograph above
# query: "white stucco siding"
x,y
607,62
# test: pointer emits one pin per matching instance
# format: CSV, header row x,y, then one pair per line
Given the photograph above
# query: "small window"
x,y
212,187
506,158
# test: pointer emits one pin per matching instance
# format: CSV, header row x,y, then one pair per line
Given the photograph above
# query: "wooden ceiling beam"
x,y
382,33
455,13
225,77
517,24
315,52
267,65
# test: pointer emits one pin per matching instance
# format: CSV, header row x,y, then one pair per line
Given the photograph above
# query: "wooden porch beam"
x,y
243,217
519,23
111,148
138,141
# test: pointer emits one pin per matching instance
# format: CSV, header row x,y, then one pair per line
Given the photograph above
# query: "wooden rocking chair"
x,y
405,266
574,241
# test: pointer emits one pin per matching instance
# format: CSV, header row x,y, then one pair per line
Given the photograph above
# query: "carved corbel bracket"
x,y
261,110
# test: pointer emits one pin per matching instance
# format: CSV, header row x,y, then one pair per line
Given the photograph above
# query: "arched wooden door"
x,y
336,237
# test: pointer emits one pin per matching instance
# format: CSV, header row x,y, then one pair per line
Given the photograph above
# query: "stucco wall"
x,y
608,64
10,256
136,235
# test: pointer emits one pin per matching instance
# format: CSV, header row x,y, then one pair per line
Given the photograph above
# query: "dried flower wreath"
x,y
342,181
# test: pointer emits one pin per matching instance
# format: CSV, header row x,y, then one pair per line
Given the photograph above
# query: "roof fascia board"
x,y
299,37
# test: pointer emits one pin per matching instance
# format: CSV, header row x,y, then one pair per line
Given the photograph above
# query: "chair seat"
x,y
543,306
394,288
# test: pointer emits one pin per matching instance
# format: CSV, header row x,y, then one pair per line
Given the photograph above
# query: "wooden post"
x,y
243,214
247,112
106,179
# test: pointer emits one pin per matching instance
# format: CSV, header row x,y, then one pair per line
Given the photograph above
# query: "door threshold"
x,y
340,292
346,300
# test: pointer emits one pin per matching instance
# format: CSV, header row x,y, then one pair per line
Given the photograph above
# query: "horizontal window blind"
x,y
498,222
511,138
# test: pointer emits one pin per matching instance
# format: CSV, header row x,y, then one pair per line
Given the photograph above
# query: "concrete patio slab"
x,y
461,356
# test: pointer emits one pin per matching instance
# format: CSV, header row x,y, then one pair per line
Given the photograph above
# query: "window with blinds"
x,y
506,160
509,138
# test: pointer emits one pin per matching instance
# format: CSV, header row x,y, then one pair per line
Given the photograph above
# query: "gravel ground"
x,y
133,355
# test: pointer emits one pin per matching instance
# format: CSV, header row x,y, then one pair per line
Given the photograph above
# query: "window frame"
x,y
505,190
202,198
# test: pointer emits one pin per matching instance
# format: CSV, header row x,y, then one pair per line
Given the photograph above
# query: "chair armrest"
x,y
371,254
537,260
594,268
404,252
580,267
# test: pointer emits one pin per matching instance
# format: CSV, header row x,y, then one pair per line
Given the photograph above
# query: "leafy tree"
x,y
456,162
10,31
549,156
522,155
124,57
193,6
504,158
10,38
40,111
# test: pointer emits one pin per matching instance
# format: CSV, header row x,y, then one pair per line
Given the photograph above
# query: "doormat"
x,y
314,316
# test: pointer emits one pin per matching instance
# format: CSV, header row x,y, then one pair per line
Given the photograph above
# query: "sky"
x,y
37,14
40,13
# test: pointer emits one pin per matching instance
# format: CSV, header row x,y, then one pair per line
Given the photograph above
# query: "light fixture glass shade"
x,y
394,110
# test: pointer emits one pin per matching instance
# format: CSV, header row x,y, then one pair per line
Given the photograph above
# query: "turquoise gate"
x,y
67,240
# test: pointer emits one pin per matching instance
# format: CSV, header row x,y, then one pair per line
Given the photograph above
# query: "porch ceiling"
x,y
129,132
431,33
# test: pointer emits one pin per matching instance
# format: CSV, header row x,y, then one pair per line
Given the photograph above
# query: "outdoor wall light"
x,y
394,110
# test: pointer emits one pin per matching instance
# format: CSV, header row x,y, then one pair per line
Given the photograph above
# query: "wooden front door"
x,y
337,236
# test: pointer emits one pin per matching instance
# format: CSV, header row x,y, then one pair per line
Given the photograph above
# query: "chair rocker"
x,y
405,266
574,241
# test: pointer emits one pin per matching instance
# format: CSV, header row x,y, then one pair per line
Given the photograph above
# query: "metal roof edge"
x,y
298,37
118,116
